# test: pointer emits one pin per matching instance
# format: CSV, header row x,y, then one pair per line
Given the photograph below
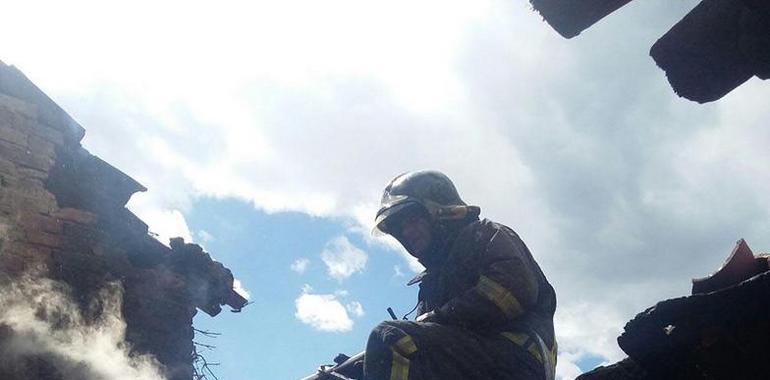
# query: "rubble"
x,y
718,332
63,217
209,283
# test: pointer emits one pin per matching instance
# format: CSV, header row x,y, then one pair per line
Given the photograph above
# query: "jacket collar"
x,y
462,232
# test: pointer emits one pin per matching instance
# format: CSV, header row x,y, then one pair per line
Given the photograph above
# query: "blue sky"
x,y
273,127
266,336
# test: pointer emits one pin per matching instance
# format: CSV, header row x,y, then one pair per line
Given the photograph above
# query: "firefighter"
x,y
485,309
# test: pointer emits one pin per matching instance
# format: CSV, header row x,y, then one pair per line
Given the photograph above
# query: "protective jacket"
x,y
493,317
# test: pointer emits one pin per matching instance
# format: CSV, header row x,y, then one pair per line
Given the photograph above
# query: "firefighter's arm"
x,y
506,287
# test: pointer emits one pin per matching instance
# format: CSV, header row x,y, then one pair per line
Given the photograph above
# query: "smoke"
x,y
44,334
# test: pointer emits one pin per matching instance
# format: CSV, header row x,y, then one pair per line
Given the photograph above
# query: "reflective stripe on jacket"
x,y
490,282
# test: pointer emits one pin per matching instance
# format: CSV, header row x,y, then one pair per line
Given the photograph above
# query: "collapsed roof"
x,y
714,49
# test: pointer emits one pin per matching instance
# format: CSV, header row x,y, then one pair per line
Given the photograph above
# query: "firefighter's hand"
x,y
428,317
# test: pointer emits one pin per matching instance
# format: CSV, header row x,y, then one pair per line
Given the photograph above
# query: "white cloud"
x,y
589,328
579,145
342,258
397,271
323,312
205,236
566,366
355,308
410,260
163,223
238,287
300,265
363,216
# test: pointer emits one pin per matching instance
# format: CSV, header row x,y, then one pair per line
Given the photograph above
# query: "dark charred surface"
x,y
716,335
714,49
570,17
740,266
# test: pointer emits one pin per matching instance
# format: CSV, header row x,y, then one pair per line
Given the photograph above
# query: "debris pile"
x,y
63,218
718,332
208,282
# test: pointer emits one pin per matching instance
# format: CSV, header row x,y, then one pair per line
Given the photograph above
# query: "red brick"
x,y
75,215
7,198
31,199
8,181
7,167
12,152
12,135
37,222
39,266
9,118
21,156
40,146
32,250
45,239
17,264
81,236
38,162
17,106
47,133
12,264
32,173
39,202
30,183
5,209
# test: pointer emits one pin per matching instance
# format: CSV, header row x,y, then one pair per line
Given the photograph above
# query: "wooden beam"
x,y
570,17
702,54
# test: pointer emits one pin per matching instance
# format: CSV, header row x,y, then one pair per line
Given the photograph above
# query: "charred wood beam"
x,y
740,266
715,48
100,187
570,17
717,335
761,6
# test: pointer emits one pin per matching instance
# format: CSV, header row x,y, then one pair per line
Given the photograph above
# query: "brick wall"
x,y
63,216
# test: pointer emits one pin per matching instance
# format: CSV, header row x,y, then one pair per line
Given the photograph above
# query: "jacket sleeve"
x,y
506,287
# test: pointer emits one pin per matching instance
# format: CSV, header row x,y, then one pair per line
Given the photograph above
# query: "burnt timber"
x,y
714,49
718,332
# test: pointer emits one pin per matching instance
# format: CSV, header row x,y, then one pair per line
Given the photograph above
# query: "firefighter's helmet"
x,y
427,190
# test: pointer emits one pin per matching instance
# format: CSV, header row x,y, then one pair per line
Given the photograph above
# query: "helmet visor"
x,y
385,220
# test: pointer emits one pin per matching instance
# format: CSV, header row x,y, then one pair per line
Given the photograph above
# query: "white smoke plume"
x,y
42,329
